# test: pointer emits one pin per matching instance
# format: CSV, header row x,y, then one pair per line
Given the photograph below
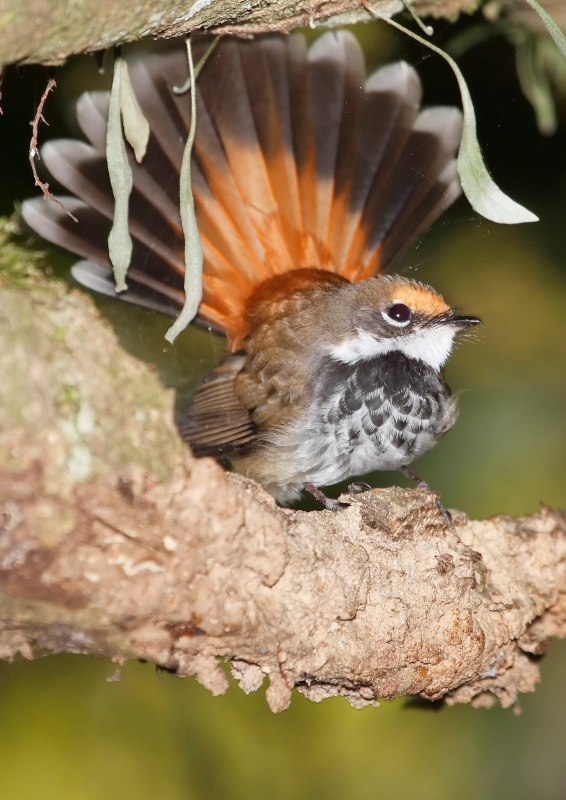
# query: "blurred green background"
x,y
68,733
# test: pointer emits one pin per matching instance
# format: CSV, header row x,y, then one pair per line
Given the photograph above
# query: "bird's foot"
x,y
419,483
328,502
358,487
423,486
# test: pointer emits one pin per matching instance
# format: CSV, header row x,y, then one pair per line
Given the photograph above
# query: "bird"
x,y
309,179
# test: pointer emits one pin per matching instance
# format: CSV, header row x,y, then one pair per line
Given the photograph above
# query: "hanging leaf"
x,y
484,195
119,241
136,127
193,247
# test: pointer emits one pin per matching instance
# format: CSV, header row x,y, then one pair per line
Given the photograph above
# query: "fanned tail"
x,y
299,161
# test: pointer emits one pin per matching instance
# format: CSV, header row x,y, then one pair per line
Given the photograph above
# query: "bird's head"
x,y
391,313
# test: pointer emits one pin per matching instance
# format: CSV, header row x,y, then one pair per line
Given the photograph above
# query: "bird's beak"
x,y
461,323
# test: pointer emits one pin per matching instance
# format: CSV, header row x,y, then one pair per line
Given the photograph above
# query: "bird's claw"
x,y
445,513
357,487
335,505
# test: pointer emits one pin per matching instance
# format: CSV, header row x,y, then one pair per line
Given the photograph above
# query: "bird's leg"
x,y
358,487
327,502
419,483
423,486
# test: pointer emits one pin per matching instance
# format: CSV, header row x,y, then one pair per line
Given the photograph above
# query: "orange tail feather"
x,y
300,163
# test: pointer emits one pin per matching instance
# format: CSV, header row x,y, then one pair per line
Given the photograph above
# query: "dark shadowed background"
x,y
68,734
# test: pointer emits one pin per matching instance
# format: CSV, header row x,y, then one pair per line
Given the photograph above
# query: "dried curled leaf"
x,y
119,240
136,127
484,195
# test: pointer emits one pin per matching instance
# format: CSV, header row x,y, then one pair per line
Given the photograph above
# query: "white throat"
x,y
433,346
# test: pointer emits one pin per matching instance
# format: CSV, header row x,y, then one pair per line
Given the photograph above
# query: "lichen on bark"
x,y
103,417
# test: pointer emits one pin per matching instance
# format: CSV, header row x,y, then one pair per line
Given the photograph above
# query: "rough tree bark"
x,y
114,541
49,31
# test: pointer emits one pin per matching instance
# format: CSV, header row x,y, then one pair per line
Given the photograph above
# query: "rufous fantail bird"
x,y
309,180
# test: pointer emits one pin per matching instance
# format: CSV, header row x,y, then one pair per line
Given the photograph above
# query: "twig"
x,y
33,150
428,29
187,84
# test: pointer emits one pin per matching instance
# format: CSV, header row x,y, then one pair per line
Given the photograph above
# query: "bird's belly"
x,y
355,446
371,416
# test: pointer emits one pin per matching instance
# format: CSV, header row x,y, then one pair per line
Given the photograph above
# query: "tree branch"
x,y
49,31
114,541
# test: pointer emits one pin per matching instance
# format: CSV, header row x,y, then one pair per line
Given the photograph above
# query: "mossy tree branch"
x,y
114,541
49,31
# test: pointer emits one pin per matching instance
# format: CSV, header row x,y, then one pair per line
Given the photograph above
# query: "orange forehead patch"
x,y
420,299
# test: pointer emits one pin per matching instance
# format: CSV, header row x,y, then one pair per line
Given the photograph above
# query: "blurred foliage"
x,y
68,734
541,67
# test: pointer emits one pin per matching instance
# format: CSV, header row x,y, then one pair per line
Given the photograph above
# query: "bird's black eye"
x,y
399,312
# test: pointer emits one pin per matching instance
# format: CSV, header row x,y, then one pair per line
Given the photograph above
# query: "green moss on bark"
x,y
66,384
